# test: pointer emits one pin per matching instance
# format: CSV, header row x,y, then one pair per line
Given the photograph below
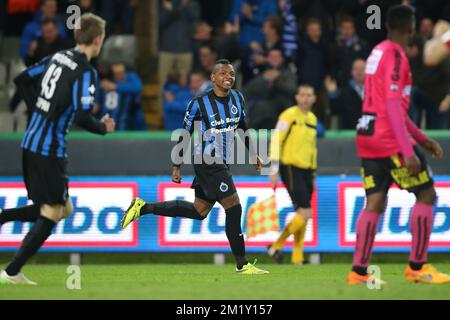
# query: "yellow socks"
x,y
299,241
296,225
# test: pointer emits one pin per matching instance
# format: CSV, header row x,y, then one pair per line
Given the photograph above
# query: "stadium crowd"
x,y
275,46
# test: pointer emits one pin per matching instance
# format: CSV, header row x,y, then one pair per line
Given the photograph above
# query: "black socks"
x,y
416,266
235,235
24,214
172,209
362,271
40,231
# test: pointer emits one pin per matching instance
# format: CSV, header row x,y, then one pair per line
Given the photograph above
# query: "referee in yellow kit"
x,y
294,146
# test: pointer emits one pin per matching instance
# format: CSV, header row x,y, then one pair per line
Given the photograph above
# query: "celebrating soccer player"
x,y
386,143
60,89
295,144
220,112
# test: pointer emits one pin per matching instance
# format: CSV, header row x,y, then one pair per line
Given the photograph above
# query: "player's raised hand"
x,y
109,123
258,164
176,174
413,165
433,148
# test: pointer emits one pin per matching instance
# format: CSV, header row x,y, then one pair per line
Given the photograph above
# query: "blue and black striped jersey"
x,y
58,90
218,119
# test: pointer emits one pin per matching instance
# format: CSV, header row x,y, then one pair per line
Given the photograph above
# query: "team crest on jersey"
x,y
234,110
224,187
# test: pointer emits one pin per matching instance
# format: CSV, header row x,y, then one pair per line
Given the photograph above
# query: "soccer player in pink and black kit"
x,y
387,145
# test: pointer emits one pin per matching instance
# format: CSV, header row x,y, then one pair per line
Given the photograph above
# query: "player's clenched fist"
x,y
176,174
109,123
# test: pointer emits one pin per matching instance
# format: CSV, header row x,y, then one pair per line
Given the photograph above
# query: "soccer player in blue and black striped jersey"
x,y
59,90
219,112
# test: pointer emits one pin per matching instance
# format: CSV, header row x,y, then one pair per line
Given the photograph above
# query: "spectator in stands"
x,y
431,90
271,92
119,15
313,65
50,42
208,57
426,28
272,29
15,14
120,97
175,28
323,10
177,97
289,35
348,48
33,31
251,15
202,35
347,102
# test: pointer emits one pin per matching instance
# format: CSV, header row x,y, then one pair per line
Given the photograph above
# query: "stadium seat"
x,y
120,48
6,122
4,100
3,75
10,48
16,67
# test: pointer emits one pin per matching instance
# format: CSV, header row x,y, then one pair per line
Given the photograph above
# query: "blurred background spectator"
x,y
33,30
273,44
430,96
176,20
271,92
118,15
120,97
313,64
49,42
177,96
346,102
348,48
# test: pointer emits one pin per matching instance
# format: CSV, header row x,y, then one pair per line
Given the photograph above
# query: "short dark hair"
x,y
222,61
275,23
313,20
307,86
400,18
347,19
48,20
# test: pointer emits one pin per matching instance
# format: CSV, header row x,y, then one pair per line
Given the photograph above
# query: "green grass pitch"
x,y
200,281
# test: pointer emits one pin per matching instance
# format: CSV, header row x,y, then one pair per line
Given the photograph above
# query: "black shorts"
x,y
45,179
379,174
213,182
299,184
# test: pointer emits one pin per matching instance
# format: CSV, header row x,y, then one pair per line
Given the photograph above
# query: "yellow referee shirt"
x,y
294,143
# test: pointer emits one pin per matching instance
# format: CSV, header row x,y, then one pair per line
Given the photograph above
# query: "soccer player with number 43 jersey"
x,y
59,90
387,145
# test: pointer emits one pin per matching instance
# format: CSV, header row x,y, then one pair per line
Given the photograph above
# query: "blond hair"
x,y
91,27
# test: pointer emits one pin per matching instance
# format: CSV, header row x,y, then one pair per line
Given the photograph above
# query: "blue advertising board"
x,y
100,201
